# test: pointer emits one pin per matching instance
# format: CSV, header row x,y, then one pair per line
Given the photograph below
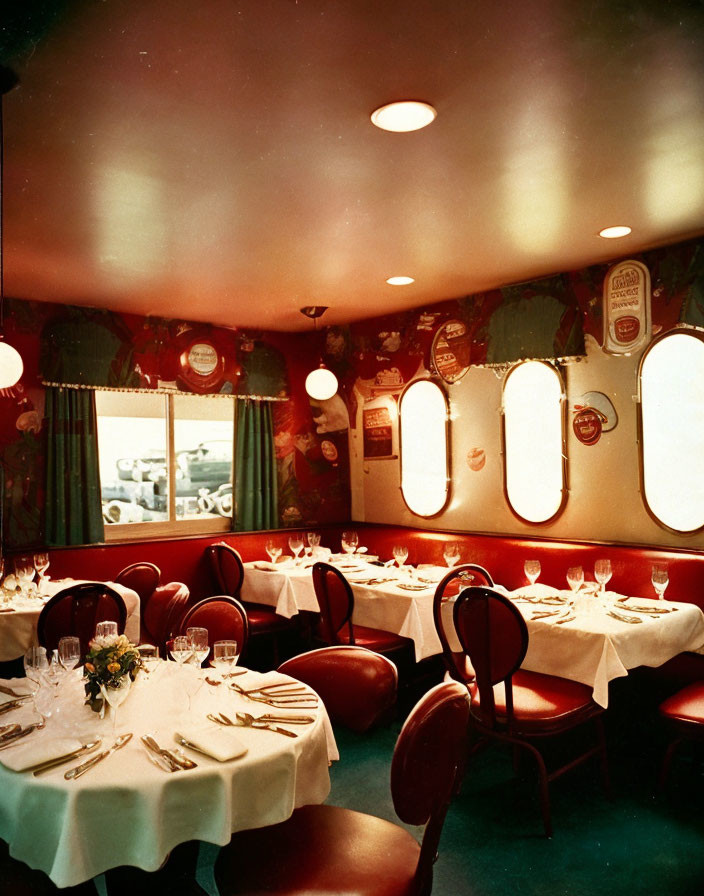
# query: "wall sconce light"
x,y
321,383
11,365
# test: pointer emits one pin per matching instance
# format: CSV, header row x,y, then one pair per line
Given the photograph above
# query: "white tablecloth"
x,y
18,628
126,811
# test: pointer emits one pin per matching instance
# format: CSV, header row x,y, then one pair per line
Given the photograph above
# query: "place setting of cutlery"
x,y
167,760
281,694
41,767
81,769
246,720
11,737
623,617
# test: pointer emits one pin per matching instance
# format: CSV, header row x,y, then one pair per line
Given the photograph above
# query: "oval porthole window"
x,y
534,471
672,427
424,454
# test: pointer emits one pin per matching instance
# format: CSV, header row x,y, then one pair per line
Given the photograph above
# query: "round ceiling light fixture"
x,y
400,281
321,383
615,232
407,115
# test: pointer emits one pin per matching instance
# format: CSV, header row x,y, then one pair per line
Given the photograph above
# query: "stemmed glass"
x,y
149,654
451,553
24,570
225,655
69,652
575,577
106,629
116,696
198,642
602,573
180,649
35,663
660,580
400,554
349,542
295,542
313,541
532,570
273,550
41,564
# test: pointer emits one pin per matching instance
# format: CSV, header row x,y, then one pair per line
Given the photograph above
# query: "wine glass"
x,y
24,570
225,655
400,554
69,652
41,564
660,580
198,641
313,541
451,553
106,629
180,649
295,542
575,577
116,696
35,662
602,573
532,570
273,550
149,655
349,542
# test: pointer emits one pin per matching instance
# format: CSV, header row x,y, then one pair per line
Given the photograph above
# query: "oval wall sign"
x,y
587,426
450,351
201,366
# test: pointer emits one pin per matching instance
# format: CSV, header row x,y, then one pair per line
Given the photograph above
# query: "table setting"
x,y
178,737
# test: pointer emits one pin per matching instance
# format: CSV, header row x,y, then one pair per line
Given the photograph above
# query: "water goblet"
x,y
273,550
400,554
198,641
660,580
106,629
149,654
35,661
602,573
295,542
69,652
451,554
349,542
532,570
575,577
24,571
41,564
116,696
180,649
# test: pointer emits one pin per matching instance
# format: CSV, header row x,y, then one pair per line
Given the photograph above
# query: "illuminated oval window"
x,y
534,472
672,421
424,463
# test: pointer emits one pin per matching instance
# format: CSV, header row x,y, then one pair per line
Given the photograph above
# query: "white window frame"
x,y
404,445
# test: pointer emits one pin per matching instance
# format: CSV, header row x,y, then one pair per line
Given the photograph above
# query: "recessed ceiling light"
x,y
400,281
613,233
408,115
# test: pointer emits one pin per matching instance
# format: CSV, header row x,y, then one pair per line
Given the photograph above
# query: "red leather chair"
x,y
456,662
327,849
336,603
223,616
142,577
228,571
357,686
683,713
76,610
163,612
513,705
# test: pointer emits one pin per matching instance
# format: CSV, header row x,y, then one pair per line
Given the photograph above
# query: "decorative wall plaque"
x,y
626,307
587,426
201,366
450,351
378,432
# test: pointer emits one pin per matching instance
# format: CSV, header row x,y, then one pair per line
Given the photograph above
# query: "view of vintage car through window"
x,y
134,433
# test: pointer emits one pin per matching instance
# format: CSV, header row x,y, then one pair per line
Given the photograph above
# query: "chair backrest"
x,y
223,616
163,612
356,685
427,767
227,568
76,611
494,634
456,663
336,603
142,577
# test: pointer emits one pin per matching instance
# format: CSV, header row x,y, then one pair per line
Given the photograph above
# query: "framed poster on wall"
x,y
379,429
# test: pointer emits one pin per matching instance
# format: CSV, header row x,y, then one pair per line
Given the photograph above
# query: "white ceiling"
x,y
215,160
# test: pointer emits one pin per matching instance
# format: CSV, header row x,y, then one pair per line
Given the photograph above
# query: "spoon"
x,y
249,721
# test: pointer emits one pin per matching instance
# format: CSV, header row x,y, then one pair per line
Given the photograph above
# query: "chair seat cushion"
x,y
543,701
686,705
264,619
320,850
378,639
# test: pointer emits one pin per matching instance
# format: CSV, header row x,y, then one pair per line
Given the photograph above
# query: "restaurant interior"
x,y
366,338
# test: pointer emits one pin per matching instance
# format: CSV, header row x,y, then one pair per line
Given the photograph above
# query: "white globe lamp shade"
x,y
321,383
11,366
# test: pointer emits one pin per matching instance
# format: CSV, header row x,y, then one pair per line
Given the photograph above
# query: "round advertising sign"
x,y
450,351
201,366
587,426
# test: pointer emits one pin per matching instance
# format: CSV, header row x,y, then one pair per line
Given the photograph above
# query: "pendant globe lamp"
x,y
11,365
321,383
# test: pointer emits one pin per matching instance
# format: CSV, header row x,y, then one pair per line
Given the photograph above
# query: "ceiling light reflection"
x,y
401,117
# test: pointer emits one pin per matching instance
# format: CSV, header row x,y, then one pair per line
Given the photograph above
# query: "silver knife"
x,y
173,760
11,739
42,767
79,770
13,704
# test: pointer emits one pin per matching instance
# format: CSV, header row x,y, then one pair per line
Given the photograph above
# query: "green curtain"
x,y
73,508
256,497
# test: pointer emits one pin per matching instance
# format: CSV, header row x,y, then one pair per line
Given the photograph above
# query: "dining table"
x,y
19,614
132,807
593,646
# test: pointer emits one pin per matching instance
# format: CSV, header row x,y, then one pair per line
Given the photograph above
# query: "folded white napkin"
x,y
29,753
22,688
536,590
264,564
216,741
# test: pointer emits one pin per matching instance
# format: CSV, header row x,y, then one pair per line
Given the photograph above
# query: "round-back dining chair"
x,y
163,612
142,577
224,617
357,686
324,849
456,662
514,705
76,610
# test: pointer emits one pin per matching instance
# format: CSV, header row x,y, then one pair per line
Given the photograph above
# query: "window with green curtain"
x,y
73,510
256,497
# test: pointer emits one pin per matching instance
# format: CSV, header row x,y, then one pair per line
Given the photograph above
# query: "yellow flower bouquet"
x,y
108,660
